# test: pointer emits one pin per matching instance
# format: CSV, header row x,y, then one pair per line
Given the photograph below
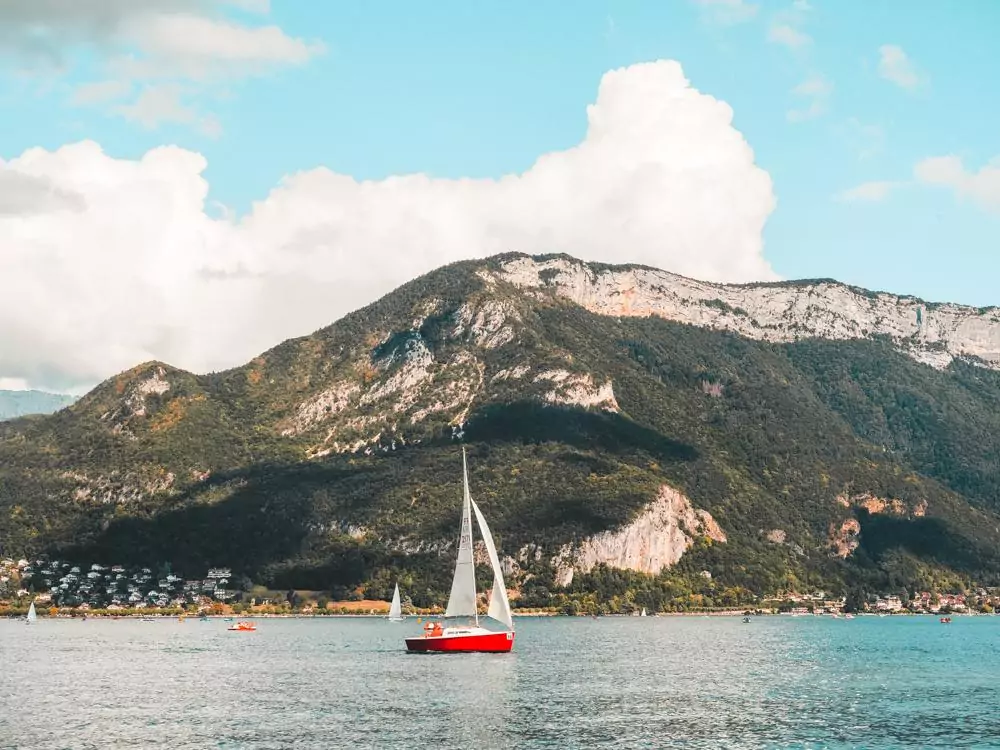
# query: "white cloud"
x,y
255,6
789,36
143,270
197,47
727,12
100,91
868,191
165,41
816,91
981,187
162,103
13,384
26,194
895,66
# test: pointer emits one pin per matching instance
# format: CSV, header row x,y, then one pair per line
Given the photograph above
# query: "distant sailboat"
x,y
643,613
31,613
396,609
462,602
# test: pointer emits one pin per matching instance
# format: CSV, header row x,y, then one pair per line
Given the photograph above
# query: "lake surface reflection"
x,y
652,682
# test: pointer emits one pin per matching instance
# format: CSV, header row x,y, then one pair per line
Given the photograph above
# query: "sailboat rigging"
x,y
462,601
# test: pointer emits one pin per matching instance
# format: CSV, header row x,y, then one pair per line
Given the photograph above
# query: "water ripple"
x,y
630,683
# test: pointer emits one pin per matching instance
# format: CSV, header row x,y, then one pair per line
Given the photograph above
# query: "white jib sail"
x,y
462,602
499,606
396,608
31,613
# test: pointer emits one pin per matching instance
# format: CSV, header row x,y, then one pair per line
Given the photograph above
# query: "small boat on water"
x,y
746,619
470,636
396,608
31,616
243,626
643,613
945,620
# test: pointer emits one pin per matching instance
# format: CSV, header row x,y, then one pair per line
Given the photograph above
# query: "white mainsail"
x,y
396,609
499,606
31,613
462,601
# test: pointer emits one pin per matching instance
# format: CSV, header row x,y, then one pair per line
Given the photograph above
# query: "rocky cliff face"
x,y
931,333
654,540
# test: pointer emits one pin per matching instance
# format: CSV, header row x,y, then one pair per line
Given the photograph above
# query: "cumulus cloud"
x,y
894,65
177,42
141,270
23,194
815,91
982,187
868,191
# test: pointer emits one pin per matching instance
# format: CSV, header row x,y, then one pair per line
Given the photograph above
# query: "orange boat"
x,y
945,620
243,626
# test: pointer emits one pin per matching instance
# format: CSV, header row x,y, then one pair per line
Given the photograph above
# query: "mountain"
x,y
22,403
633,436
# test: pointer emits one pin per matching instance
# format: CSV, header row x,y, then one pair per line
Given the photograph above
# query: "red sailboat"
x,y
462,630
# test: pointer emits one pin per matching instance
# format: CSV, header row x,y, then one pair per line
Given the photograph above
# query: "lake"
x,y
655,682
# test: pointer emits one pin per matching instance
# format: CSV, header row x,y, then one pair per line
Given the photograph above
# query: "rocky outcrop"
x,y
844,537
931,333
120,488
577,389
776,536
881,505
133,402
655,540
322,406
489,325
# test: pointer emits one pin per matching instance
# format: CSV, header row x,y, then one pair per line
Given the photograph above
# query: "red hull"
x,y
479,642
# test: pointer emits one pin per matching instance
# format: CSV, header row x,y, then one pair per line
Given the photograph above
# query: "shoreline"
x,y
82,615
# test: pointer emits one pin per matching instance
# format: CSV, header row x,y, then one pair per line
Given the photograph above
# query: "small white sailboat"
x,y
31,614
472,637
396,608
643,613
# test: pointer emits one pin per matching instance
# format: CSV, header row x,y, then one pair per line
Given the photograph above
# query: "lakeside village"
x,y
61,588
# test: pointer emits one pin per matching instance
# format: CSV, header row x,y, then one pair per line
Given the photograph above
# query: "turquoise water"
x,y
779,682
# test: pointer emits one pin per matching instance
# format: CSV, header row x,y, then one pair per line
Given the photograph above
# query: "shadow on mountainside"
x,y
266,518
528,422
926,538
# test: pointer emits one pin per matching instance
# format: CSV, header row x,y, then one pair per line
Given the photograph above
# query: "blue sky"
x,y
840,102
481,89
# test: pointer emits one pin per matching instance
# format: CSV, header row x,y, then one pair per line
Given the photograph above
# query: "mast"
x,y
462,601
